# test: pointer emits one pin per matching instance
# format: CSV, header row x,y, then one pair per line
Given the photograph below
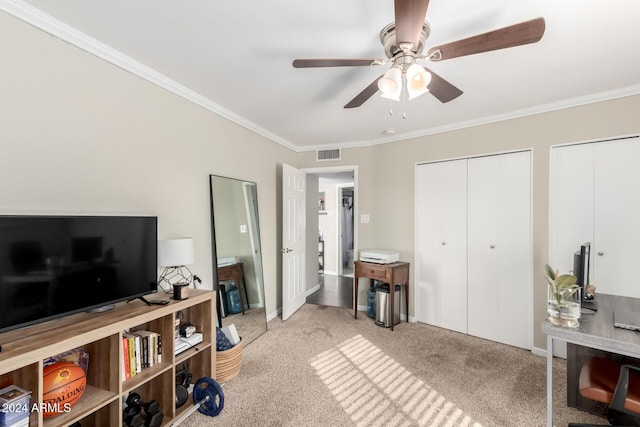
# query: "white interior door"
x,y
293,240
441,253
483,307
499,257
615,250
571,202
592,199
514,244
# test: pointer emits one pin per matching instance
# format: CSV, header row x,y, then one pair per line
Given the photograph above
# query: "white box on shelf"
x,y
183,344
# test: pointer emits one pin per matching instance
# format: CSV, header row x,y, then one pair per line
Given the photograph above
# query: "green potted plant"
x,y
563,304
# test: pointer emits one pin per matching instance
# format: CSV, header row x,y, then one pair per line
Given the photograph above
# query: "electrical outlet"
x,y
243,228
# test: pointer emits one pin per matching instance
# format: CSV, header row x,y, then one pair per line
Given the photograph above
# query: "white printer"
x,y
230,260
379,256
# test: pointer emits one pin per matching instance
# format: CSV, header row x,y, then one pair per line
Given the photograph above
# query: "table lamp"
x,y
174,255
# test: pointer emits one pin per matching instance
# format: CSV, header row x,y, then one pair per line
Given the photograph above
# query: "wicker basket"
x,y
228,363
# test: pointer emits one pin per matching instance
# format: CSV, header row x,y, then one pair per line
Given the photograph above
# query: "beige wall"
x,y
388,194
81,136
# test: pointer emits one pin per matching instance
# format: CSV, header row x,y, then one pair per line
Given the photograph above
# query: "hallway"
x,y
335,291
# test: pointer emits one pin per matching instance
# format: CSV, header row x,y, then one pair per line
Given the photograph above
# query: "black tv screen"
x,y
51,266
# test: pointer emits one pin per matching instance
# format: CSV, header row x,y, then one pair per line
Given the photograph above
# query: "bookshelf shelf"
x,y
100,335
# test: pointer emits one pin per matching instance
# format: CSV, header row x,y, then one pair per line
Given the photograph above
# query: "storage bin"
x,y
228,363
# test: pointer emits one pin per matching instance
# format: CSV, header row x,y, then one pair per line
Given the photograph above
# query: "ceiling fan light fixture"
x,y
391,84
417,81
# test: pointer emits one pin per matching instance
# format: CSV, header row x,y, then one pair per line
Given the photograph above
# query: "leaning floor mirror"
x,y
238,256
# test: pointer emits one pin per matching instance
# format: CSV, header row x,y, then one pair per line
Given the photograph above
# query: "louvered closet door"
x,y
499,248
441,233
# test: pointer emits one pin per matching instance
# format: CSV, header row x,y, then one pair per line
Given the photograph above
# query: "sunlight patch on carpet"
x,y
374,389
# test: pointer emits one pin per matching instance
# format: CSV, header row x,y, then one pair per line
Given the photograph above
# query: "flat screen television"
x,y
52,266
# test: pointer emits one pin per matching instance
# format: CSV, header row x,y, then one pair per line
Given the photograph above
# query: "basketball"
x,y
62,386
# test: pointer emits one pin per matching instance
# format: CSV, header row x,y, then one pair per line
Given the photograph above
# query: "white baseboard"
x,y
273,315
539,351
312,290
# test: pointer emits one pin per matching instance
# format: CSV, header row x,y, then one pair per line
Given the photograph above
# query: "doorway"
x,y
346,223
337,235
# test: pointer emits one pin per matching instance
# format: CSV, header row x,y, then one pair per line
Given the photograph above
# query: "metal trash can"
x,y
383,306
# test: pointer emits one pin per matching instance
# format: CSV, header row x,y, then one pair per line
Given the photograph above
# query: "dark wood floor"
x,y
335,291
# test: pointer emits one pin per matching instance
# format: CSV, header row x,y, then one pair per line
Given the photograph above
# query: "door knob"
x,y
600,253
492,246
444,243
286,250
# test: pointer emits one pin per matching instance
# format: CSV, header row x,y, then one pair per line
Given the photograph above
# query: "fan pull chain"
x,y
404,98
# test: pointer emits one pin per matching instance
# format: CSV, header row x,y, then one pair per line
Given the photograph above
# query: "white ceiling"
x,y
234,57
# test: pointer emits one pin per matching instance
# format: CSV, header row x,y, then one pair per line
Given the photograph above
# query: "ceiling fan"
x,y
404,41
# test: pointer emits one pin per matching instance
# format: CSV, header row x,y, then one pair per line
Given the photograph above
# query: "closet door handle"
x,y
492,246
444,243
600,253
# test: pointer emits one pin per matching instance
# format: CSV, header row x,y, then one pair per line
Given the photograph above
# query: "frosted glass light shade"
x,y
391,84
417,80
175,252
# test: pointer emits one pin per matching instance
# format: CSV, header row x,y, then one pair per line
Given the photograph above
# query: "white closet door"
x,y
616,237
483,290
441,253
499,248
571,202
593,198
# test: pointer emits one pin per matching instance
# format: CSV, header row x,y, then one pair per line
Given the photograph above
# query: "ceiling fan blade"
x,y
409,18
335,62
441,88
364,95
513,35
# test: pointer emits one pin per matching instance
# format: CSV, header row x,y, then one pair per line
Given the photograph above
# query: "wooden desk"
x,y
396,273
596,331
235,272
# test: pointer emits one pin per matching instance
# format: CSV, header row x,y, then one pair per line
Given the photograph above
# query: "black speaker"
x,y
183,379
180,291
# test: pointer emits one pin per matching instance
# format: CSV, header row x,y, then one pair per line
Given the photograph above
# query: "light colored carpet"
x,y
249,325
322,367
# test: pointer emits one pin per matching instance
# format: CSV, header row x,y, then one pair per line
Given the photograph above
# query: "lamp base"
x,y
172,276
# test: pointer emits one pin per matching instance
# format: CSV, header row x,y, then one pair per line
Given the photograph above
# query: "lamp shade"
x,y
175,252
417,80
391,84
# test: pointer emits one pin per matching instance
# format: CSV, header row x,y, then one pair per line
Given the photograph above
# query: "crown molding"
x,y
516,114
59,29
38,19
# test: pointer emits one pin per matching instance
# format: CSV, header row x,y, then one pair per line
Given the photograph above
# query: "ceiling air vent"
x,y
328,154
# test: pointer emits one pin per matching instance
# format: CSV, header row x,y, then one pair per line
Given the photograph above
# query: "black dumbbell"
x,y
152,416
134,400
132,416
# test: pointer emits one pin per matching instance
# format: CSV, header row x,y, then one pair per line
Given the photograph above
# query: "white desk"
x,y
595,331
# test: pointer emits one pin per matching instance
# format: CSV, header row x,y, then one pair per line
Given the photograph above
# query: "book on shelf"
x,y
141,349
126,374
